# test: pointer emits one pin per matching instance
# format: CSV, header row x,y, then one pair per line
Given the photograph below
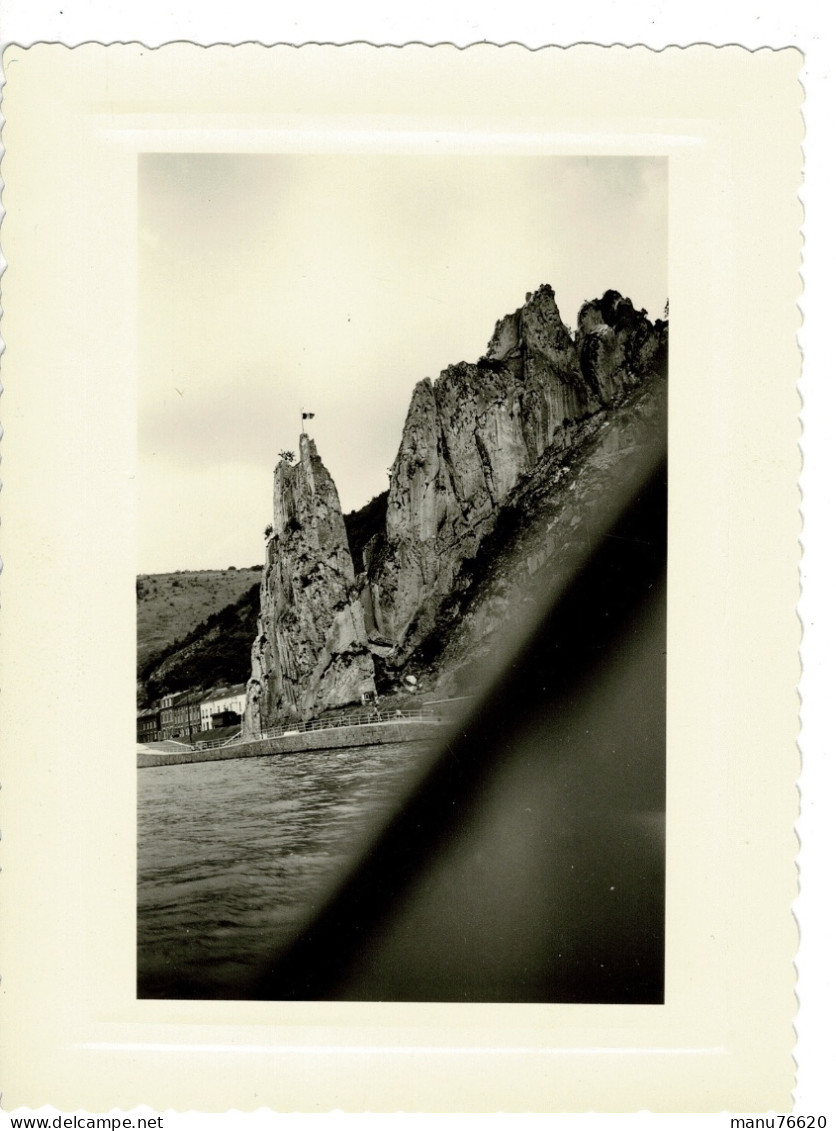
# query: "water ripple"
x,y
233,855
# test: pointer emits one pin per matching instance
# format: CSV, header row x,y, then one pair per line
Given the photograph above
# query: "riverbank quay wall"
x,y
338,738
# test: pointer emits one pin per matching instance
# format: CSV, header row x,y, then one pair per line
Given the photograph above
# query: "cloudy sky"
x,y
273,283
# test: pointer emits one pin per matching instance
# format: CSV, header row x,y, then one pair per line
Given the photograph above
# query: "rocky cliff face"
x,y
311,650
618,347
472,435
483,442
544,530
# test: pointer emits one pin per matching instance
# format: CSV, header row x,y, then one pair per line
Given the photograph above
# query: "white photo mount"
x,y
729,123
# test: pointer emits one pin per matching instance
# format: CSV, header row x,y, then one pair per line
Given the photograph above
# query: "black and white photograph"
x,y
419,754
401,537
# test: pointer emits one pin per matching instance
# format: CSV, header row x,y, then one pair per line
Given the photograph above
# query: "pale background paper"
x,y
724,1038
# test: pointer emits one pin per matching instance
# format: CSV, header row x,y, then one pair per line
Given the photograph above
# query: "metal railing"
x,y
358,718
213,744
368,717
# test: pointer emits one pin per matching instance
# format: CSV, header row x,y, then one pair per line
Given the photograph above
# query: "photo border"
x,y
75,120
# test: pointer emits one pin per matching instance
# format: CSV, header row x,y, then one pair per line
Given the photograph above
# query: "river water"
x,y
233,855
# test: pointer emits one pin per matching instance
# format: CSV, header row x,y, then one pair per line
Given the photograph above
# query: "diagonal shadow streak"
x,y
528,864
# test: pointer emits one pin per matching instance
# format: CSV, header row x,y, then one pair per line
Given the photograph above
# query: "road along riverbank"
x,y
333,738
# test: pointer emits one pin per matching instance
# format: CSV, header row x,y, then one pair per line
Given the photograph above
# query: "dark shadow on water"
x,y
528,864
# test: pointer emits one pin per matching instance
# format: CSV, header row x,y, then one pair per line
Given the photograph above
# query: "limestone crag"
x,y
495,457
472,435
311,650
618,347
544,530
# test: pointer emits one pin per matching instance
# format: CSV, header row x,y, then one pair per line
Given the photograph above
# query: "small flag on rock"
x,y
307,416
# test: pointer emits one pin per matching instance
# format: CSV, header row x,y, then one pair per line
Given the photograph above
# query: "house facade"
x,y
180,714
148,725
183,715
223,706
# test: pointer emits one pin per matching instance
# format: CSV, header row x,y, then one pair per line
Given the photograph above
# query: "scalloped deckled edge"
x,y
462,48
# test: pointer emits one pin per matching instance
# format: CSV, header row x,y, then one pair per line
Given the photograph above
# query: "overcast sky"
x,y
273,283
